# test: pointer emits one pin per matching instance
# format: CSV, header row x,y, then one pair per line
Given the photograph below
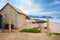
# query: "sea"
x,y
56,20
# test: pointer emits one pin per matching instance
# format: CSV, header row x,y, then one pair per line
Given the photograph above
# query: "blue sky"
x,y
35,7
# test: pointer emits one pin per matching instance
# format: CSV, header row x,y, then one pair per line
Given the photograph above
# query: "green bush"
x,y
56,33
31,30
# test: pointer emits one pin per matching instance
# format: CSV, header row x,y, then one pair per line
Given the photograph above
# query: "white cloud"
x,y
25,5
28,6
47,13
55,2
2,3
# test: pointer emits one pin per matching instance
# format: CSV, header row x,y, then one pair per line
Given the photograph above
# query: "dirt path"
x,y
3,36
27,36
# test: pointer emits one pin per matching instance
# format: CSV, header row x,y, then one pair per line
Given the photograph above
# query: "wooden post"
x,y
41,27
48,29
9,22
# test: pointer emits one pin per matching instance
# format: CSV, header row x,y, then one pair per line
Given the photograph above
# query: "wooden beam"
x,y
9,22
48,29
40,27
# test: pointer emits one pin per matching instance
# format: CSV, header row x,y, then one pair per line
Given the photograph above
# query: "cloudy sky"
x,y
35,7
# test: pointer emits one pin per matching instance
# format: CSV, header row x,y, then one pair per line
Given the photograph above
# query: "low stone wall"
x,y
30,25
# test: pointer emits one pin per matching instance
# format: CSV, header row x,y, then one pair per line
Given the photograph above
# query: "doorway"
x,y
1,21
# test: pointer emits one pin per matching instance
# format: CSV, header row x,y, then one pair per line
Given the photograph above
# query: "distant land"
x,y
39,16
31,16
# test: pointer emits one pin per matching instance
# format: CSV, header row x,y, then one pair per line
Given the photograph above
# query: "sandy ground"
x,y
27,36
55,27
32,36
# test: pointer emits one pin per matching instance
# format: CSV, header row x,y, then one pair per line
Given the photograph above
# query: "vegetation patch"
x,y
56,33
31,30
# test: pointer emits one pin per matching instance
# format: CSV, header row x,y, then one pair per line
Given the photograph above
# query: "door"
x,y
0,21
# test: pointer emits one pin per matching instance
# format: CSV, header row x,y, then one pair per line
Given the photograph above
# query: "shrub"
x,y
56,33
31,30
